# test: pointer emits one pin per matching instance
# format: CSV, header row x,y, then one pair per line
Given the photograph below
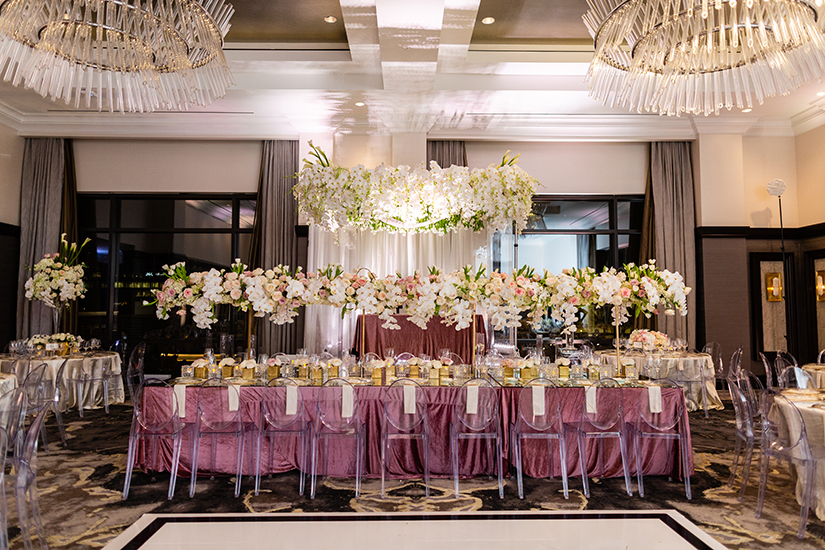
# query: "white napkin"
x,y
232,398
590,399
180,394
291,400
472,400
347,404
654,397
409,399
538,401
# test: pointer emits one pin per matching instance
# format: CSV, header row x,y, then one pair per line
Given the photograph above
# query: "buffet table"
x,y
412,339
92,366
680,365
406,458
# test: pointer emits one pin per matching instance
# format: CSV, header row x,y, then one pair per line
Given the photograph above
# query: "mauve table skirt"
x,y
659,457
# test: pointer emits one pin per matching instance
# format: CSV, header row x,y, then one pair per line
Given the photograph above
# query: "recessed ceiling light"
x,y
488,20
330,19
359,104
820,94
747,110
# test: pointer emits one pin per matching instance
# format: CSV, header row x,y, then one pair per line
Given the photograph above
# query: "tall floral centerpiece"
x,y
58,279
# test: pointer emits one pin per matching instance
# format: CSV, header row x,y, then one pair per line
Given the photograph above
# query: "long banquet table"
x,y
406,459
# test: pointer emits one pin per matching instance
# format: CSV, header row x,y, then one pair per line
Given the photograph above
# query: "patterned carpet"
x,y
80,491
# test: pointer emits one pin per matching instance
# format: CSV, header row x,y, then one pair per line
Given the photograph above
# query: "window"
x,y
580,231
133,236
597,232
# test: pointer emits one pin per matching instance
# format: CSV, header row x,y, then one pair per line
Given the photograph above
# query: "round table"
x,y
91,365
817,372
8,382
679,366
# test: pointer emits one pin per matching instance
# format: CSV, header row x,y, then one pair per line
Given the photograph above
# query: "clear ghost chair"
x,y
337,416
405,417
161,421
785,438
476,416
12,421
770,371
134,369
86,378
715,351
605,419
688,379
655,424
796,377
39,394
282,415
744,435
23,479
751,387
539,417
820,359
734,366
215,419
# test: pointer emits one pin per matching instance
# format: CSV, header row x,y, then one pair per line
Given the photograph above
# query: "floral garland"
x,y
649,338
389,198
58,278
453,296
39,341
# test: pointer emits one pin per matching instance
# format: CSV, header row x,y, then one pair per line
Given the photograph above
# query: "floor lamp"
x,y
775,189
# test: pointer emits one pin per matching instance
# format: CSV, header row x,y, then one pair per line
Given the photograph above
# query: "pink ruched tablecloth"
x,y
660,457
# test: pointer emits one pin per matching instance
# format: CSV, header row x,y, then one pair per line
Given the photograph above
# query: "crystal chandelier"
x,y
125,55
675,56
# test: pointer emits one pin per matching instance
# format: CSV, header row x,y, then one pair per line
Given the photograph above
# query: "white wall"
x,y
810,171
766,159
11,168
586,167
719,180
144,166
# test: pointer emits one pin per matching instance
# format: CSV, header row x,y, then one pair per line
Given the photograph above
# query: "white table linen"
x,y
817,372
680,365
93,366
814,419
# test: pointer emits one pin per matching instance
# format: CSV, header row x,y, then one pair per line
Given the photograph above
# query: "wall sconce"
x,y
820,286
773,287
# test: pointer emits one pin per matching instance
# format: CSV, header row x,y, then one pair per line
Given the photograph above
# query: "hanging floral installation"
x,y
414,200
450,296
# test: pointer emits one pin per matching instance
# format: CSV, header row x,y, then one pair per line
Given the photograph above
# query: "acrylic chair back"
x,y
609,408
278,399
13,417
540,417
796,377
770,370
735,365
401,396
742,410
660,420
784,430
214,398
715,351
453,358
38,388
332,398
134,370
156,411
406,356
820,359
483,400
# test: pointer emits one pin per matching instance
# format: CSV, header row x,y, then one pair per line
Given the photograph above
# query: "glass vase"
x,y
58,315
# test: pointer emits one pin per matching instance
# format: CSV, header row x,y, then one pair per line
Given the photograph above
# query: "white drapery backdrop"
x,y
382,253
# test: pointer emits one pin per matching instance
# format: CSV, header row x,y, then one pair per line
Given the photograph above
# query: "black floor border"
x,y
141,538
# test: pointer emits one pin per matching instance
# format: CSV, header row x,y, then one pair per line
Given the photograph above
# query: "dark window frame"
x,y
613,232
114,231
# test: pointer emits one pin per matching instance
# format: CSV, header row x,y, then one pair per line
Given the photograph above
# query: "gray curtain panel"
x,y
274,241
41,197
671,179
446,153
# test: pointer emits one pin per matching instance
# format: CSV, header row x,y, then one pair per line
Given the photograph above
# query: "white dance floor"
x,y
631,530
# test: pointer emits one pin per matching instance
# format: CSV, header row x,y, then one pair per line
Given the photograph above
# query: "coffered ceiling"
x,y
426,66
